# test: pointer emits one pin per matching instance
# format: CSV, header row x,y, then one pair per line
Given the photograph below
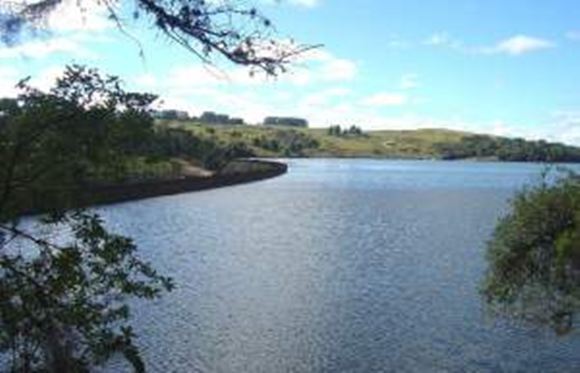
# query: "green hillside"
x,y
278,141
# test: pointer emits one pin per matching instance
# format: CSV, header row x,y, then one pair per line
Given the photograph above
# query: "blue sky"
x,y
507,67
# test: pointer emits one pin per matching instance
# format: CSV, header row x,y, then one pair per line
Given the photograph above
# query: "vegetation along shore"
x,y
237,172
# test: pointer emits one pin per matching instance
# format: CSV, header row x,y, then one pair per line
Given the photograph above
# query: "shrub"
x,y
534,256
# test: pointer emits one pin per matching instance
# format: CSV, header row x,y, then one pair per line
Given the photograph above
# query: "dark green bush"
x,y
534,256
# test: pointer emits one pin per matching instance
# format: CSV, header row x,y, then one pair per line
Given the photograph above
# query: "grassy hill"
x,y
270,141
277,141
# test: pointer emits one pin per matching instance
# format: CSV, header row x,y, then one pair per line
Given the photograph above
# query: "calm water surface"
x,y
338,266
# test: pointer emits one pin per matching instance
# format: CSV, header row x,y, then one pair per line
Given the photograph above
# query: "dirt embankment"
x,y
238,172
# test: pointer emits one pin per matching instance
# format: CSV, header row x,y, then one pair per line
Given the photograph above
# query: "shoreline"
x,y
94,195
427,159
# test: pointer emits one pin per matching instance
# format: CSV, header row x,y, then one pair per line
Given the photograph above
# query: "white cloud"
x,y
306,3
9,77
197,77
513,46
438,38
316,54
394,41
319,64
571,117
385,99
328,106
146,81
409,81
573,35
338,92
74,15
45,79
443,40
72,27
197,88
316,67
564,127
325,97
251,107
369,119
300,3
338,70
298,77
200,75
518,45
38,49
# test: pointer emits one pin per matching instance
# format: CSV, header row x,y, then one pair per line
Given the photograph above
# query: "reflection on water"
x,y
341,265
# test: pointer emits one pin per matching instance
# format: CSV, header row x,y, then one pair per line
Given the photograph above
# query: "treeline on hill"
x,y
286,143
504,149
286,121
337,130
181,143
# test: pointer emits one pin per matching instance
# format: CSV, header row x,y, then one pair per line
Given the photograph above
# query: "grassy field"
x,y
278,141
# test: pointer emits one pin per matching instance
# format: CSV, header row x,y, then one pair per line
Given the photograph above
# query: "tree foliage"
x,y
63,295
286,121
81,130
534,256
178,142
63,306
227,28
514,150
287,143
352,131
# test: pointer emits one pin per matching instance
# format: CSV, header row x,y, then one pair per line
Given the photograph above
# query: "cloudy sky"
x,y
507,67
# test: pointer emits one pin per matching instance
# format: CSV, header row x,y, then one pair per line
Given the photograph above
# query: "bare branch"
x,y
227,28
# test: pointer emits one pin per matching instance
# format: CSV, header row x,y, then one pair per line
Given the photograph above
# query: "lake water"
x,y
338,266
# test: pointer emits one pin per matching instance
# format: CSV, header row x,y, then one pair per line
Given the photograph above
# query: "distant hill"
x,y
280,141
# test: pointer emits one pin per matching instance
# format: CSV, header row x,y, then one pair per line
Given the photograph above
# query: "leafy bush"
x,y
534,256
